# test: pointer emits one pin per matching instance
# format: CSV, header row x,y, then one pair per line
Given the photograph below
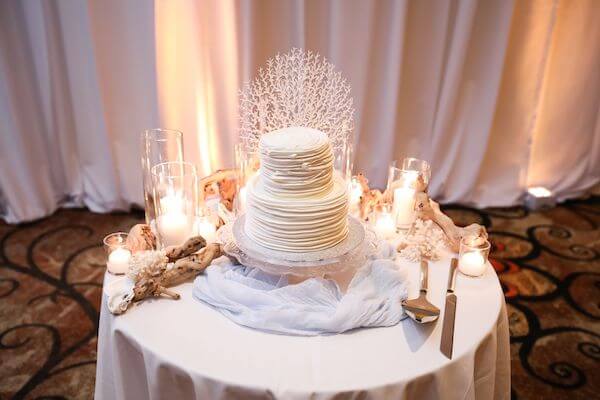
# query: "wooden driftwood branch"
x,y
428,209
370,199
154,276
218,179
140,238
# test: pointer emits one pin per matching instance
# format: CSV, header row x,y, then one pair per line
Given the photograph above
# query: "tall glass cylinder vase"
x,y
158,146
175,202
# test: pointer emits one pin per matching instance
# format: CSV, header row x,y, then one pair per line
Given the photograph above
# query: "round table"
x,y
167,349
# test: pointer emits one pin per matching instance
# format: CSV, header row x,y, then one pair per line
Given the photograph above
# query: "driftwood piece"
x,y
190,266
140,238
214,179
153,272
428,209
370,199
155,279
227,189
190,246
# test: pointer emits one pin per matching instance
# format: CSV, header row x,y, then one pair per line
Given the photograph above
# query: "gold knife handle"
x,y
424,275
452,275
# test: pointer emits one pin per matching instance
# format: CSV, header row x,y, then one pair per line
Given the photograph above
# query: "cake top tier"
x,y
296,162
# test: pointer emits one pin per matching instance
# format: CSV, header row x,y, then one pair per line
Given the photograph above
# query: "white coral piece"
x,y
299,88
143,260
424,240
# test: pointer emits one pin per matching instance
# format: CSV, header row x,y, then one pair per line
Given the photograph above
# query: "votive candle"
x,y
207,229
118,253
473,255
118,261
385,226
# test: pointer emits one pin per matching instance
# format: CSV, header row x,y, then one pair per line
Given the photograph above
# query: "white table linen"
x,y
183,349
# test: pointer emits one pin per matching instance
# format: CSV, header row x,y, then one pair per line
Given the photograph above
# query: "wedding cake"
x,y
297,203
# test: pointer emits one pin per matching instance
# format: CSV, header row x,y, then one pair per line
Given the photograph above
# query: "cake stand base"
x,y
341,260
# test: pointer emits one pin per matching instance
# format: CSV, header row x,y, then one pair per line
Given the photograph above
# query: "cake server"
x,y
447,342
420,309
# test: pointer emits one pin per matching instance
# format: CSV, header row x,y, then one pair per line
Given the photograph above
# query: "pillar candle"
x,y
404,206
242,199
355,191
174,228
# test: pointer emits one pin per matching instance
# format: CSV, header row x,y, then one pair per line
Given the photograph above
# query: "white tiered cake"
x,y
297,203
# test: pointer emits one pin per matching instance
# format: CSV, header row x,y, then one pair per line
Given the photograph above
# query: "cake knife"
x,y
447,342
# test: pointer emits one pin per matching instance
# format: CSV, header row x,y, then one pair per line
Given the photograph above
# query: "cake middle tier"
x,y
296,225
296,162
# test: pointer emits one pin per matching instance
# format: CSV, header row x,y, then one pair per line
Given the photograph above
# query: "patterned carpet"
x,y
549,264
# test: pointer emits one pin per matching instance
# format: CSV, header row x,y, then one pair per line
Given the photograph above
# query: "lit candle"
x,y
172,203
385,227
472,264
118,260
242,199
206,229
355,193
174,228
404,206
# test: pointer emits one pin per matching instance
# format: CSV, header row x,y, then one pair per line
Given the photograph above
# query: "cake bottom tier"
x,y
297,224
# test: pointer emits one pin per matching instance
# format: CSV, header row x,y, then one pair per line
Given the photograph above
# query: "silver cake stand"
x,y
343,258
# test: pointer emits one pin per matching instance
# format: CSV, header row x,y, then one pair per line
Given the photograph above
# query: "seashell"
x,y
141,238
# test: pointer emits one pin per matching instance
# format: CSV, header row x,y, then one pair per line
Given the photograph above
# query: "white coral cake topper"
x,y
299,88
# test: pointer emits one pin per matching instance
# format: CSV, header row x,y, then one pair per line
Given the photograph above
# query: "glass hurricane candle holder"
x,y
117,252
158,146
354,193
384,222
343,159
247,165
176,201
402,186
422,168
473,255
403,183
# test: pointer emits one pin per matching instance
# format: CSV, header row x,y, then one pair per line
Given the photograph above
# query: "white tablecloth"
x,y
167,349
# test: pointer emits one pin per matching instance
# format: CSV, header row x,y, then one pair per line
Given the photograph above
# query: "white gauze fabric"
x,y
253,298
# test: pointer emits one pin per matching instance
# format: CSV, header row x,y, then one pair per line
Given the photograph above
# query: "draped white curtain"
x,y
497,95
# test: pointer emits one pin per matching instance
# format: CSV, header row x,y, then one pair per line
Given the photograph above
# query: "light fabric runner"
x,y
253,298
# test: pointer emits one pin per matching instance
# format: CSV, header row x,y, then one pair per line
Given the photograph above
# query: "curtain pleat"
x,y
497,95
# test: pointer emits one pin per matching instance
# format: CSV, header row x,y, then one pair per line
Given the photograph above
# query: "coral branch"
x,y
297,89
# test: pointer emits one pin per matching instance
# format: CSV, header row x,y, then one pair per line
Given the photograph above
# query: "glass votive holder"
x,y
384,222
247,165
117,252
473,255
176,201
